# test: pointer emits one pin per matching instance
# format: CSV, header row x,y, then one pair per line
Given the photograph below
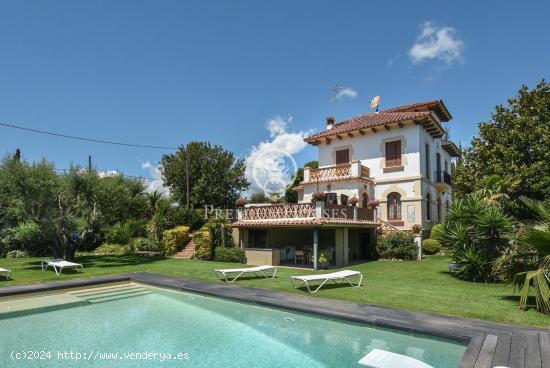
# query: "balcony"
x,y
325,174
302,214
442,179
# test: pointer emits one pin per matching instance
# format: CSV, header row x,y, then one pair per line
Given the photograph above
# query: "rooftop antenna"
x,y
375,103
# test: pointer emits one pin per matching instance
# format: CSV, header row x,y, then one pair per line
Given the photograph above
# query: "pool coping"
x,y
489,344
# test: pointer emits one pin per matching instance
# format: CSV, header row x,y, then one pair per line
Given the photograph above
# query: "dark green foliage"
x,y
430,246
216,177
229,254
146,245
123,232
513,146
188,217
27,237
397,245
70,209
476,234
259,197
472,265
290,195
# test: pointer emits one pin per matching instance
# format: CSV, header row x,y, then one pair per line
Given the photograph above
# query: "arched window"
x,y
428,206
365,200
439,209
394,206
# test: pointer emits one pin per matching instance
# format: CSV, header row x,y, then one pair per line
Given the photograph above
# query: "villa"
x,y
384,171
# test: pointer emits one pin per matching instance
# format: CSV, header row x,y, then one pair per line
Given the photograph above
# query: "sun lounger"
x,y
377,358
6,273
263,270
59,264
342,276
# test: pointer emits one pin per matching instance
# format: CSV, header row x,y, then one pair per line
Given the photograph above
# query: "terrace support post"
x,y
306,174
356,168
355,214
315,248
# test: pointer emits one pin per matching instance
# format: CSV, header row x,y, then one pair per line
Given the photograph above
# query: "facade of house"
x,y
394,163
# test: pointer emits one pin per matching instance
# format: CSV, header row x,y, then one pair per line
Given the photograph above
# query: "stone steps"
x,y
187,252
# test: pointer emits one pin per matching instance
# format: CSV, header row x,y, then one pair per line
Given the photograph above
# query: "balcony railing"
x,y
442,177
305,211
283,211
336,172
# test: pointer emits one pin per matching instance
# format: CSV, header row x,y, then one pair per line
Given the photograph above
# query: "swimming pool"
x,y
130,323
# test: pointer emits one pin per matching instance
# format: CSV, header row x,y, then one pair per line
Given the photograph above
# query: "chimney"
x,y
330,122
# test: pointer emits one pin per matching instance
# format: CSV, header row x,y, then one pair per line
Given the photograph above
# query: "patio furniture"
x,y
59,264
299,255
343,276
377,358
225,273
6,273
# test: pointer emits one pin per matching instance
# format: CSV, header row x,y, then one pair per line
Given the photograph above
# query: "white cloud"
x,y
270,165
441,43
155,179
343,92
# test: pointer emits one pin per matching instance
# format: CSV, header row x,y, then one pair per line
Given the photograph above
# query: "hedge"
x,y
229,254
174,239
431,246
397,245
203,244
437,232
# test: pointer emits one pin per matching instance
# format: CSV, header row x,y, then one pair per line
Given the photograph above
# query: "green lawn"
x,y
423,286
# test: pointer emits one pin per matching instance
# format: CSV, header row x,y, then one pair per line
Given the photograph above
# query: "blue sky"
x,y
166,72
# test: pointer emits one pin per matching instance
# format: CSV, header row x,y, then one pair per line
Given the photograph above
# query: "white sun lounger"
x,y
263,270
59,264
342,276
6,273
377,358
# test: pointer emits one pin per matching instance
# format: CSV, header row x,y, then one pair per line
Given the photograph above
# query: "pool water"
x,y
197,331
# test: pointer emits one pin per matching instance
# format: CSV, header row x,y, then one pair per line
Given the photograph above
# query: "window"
x,y
342,157
394,206
393,153
344,199
258,238
428,207
438,167
365,200
331,198
427,161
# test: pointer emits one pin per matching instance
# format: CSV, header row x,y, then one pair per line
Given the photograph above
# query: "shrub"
x,y
190,217
397,245
476,234
146,245
431,246
203,244
113,249
318,196
27,237
174,239
416,228
17,254
229,254
437,232
123,232
472,265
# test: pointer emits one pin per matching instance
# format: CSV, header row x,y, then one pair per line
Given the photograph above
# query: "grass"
x,y
422,286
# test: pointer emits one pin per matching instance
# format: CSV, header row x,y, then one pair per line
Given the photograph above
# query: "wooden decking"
x,y
522,349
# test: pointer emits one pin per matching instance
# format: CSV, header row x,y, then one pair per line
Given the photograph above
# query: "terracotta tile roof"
x,y
311,221
438,106
367,121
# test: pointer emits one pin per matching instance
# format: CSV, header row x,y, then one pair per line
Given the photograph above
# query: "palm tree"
x,y
537,238
492,190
